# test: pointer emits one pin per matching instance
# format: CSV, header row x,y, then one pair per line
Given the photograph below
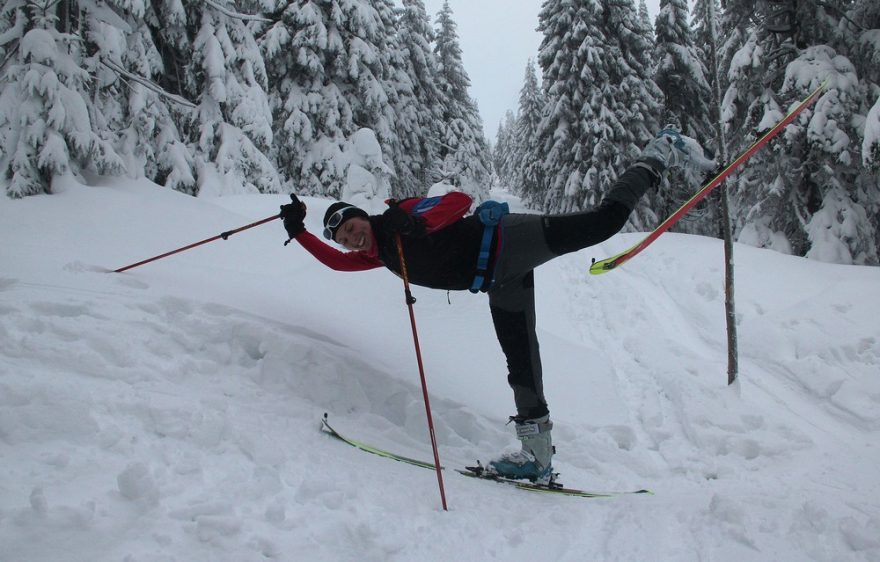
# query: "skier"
x,y
494,252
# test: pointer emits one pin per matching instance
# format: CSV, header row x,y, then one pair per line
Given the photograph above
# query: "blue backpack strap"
x,y
490,213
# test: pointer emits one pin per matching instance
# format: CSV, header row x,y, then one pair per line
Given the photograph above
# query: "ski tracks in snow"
x,y
697,436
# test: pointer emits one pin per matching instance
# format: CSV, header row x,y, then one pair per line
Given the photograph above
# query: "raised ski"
x,y
608,264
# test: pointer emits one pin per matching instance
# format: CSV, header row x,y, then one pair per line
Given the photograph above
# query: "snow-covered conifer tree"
x,y
45,128
706,217
749,108
805,194
171,89
682,77
861,32
463,151
233,118
149,119
838,199
680,74
701,33
603,104
415,36
645,22
529,176
864,41
504,153
326,65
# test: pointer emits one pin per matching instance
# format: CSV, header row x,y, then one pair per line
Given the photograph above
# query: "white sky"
x,y
497,39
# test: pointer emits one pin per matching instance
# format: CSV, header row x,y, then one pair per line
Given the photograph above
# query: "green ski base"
x,y
325,426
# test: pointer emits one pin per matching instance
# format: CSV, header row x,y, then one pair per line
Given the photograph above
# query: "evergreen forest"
x,y
265,96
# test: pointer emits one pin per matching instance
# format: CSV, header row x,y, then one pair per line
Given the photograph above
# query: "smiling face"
x,y
355,234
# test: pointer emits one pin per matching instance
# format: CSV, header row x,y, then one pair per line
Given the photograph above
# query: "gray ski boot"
x,y
534,461
671,149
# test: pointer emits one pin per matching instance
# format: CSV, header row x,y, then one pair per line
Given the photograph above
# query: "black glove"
x,y
293,215
398,221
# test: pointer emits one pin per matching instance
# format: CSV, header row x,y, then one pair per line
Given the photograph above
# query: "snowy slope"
x,y
171,412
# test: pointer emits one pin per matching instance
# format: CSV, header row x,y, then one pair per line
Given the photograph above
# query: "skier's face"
x,y
355,234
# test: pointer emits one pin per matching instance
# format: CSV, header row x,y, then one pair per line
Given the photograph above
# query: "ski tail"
x,y
607,264
327,428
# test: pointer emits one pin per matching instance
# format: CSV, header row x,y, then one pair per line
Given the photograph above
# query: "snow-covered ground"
x,y
172,412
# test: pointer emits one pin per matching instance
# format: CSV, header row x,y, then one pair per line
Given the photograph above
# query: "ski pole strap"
x,y
490,213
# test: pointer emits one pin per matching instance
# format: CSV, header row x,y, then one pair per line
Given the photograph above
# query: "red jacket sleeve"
x,y
439,212
335,259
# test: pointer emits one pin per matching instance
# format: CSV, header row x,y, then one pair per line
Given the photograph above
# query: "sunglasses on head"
x,y
334,221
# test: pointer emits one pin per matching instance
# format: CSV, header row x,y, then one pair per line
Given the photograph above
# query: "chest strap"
x,y
490,213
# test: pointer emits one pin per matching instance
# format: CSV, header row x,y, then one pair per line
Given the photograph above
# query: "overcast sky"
x,y
497,39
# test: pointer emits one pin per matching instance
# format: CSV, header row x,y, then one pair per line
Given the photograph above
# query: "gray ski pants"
x,y
529,241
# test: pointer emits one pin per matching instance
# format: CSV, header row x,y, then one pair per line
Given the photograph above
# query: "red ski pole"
x,y
223,235
410,300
